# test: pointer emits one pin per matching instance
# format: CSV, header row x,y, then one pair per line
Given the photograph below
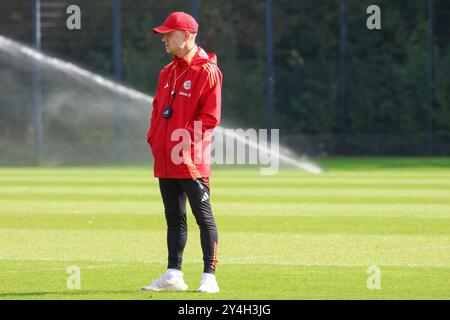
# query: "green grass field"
x,y
290,236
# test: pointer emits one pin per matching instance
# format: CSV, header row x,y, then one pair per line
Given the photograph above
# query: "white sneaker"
x,y
208,284
171,280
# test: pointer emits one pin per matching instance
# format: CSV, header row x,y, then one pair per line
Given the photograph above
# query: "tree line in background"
x,y
386,92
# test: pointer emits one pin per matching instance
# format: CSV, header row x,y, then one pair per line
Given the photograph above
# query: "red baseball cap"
x,y
177,21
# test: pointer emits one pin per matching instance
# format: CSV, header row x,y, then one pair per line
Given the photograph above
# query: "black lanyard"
x,y
173,93
167,113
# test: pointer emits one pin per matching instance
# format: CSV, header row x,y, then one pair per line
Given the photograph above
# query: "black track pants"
x,y
174,193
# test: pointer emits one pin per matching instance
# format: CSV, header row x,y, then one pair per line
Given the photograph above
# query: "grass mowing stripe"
x,y
263,198
286,192
234,247
314,184
266,224
80,207
225,176
431,211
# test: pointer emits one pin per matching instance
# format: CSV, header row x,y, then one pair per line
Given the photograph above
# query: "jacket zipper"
x,y
166,124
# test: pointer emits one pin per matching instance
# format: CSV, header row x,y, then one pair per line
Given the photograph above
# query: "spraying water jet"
x,y
16,49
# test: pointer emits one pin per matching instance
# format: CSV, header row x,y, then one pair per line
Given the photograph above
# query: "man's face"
x,y
174,41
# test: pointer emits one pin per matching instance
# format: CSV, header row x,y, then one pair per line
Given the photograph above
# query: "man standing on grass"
x,y
188,99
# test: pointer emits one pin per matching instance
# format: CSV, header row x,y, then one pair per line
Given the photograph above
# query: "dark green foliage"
x,y
387,69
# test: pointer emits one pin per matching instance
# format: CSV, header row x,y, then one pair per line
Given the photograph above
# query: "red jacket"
x,y
198,98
